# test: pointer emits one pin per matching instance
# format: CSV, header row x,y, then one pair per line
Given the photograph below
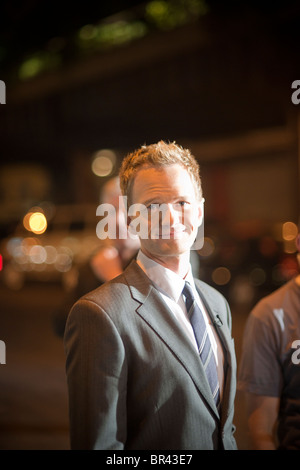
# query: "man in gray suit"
x,y
137,377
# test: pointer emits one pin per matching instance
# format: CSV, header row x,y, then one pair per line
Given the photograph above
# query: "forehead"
x,y
171,180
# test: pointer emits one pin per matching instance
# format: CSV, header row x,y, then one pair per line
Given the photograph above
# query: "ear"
x,y
200,212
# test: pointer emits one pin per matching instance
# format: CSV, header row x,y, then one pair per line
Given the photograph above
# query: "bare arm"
x,y
262,412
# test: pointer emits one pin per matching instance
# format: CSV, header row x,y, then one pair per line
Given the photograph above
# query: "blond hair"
x,y
158,155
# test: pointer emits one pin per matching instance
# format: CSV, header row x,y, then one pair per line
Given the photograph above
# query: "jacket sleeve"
x,y
96,375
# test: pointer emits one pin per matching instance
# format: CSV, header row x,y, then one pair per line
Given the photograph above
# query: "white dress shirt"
x,y
170,286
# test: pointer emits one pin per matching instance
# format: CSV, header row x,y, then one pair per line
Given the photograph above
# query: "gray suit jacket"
x,y
135,381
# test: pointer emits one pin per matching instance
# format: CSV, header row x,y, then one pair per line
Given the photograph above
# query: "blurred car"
x,y
68,240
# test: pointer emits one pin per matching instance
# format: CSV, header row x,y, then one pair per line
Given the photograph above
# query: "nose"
x,y
170,216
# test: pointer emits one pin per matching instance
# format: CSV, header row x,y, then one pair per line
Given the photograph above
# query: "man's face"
x,y
173,215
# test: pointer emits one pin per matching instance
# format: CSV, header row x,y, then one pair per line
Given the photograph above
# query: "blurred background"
x,y
85,84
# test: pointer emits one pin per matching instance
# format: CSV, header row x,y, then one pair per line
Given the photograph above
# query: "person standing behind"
x,y
106,262
269,371
139,377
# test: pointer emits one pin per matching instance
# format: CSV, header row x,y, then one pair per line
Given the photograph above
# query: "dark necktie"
x,y
204,345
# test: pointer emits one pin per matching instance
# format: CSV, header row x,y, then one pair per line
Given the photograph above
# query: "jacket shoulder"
x,y
115,287
214,300
211,291
118,291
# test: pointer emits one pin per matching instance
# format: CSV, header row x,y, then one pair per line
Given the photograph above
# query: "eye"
x,y
153,207
181,203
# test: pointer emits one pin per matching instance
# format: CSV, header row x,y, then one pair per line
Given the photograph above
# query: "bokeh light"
x,y
35,220
257,276
37,223
221,276
103,163
289,231
208,247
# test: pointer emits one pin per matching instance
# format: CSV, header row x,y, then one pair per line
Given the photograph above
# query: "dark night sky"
x,y
265,35
29,24
26,25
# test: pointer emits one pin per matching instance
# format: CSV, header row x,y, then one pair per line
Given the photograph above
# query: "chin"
x,y
174,247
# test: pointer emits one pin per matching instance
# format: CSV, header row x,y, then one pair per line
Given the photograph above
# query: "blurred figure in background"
x,y
270,370
107,262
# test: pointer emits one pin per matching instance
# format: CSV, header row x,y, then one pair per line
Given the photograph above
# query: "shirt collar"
x,y
163,278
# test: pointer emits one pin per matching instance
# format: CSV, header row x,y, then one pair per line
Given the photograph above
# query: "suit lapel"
x,y
160,319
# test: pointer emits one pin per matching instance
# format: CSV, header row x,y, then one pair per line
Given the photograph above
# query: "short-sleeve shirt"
x,y
270,360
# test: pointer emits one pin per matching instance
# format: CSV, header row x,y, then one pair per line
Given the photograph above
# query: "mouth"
x,y
168,233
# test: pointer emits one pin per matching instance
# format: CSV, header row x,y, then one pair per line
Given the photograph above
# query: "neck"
x,y
179,264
